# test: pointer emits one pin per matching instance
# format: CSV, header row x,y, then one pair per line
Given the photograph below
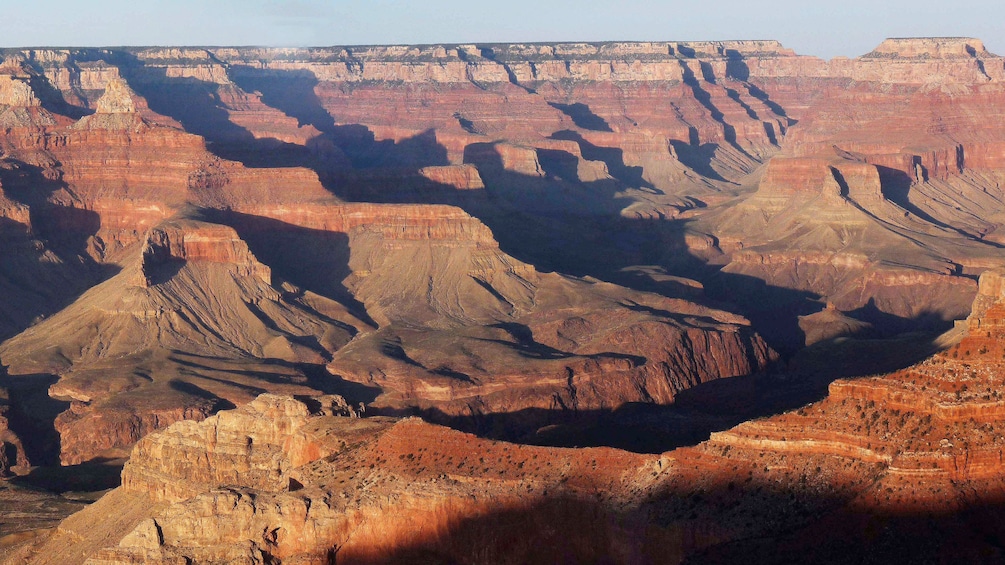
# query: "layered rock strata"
x,y
908,462
193,192
284,467
640,130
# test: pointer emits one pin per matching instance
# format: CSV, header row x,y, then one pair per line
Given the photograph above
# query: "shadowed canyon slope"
x,y
513,240
904,467
223,263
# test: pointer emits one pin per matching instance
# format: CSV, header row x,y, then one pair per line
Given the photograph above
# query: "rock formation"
x,y
127,351
499,238
190,324
300,487
907,464
640,130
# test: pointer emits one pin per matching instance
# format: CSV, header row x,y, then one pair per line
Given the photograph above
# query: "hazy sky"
x,y
822,28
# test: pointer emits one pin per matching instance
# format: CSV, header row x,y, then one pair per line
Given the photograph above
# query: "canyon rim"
x,y
630,302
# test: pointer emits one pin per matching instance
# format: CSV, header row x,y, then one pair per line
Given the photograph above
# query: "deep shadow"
x,y
198,105
33,414
896,187
35,287
705,99
843,187
735,97
699,411
31,184
316,376
636,427
489,53
525,344
391,347
466,124
558,163
293,93
290,91
96,475
50,97
199,392
162,271
67,229
582,116
767,101
452,374
773,310
307,341
559,529
200,367
194,103
354,393
971,534
33,283
757,516
889,324
571,228
314,260
320,379
612,157
365,152
736,67
697,157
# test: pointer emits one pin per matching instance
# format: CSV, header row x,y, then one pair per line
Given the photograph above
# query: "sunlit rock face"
x,y
192,223
299,488
198,246
916,452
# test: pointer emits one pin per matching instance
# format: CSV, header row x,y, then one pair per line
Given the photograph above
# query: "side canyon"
x,y
640,302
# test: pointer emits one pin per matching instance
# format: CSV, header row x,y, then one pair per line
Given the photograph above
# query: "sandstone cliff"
x,y
191,323
185,228
300,489
915,453
12,454
918,444
640,130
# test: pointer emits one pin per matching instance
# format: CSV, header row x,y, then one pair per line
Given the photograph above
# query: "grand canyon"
x,y
621,302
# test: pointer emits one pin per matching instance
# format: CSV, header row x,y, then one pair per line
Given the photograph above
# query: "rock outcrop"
x,y
895,450
257,446
191,324
494,237
195,321
594,139
15,90
910,462
281,480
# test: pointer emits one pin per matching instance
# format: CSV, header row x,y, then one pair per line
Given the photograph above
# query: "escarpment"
x,y
308,480
233,278
300,489
922,443
664,128
199,247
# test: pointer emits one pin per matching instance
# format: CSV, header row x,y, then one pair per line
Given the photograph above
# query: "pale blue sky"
x,y
833,27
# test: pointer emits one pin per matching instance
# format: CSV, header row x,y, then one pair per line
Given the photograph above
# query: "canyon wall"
x,y
466,231
915,453
166,201
669,128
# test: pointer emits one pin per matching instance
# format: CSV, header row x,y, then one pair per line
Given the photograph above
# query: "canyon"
x,y
909,461
360,270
